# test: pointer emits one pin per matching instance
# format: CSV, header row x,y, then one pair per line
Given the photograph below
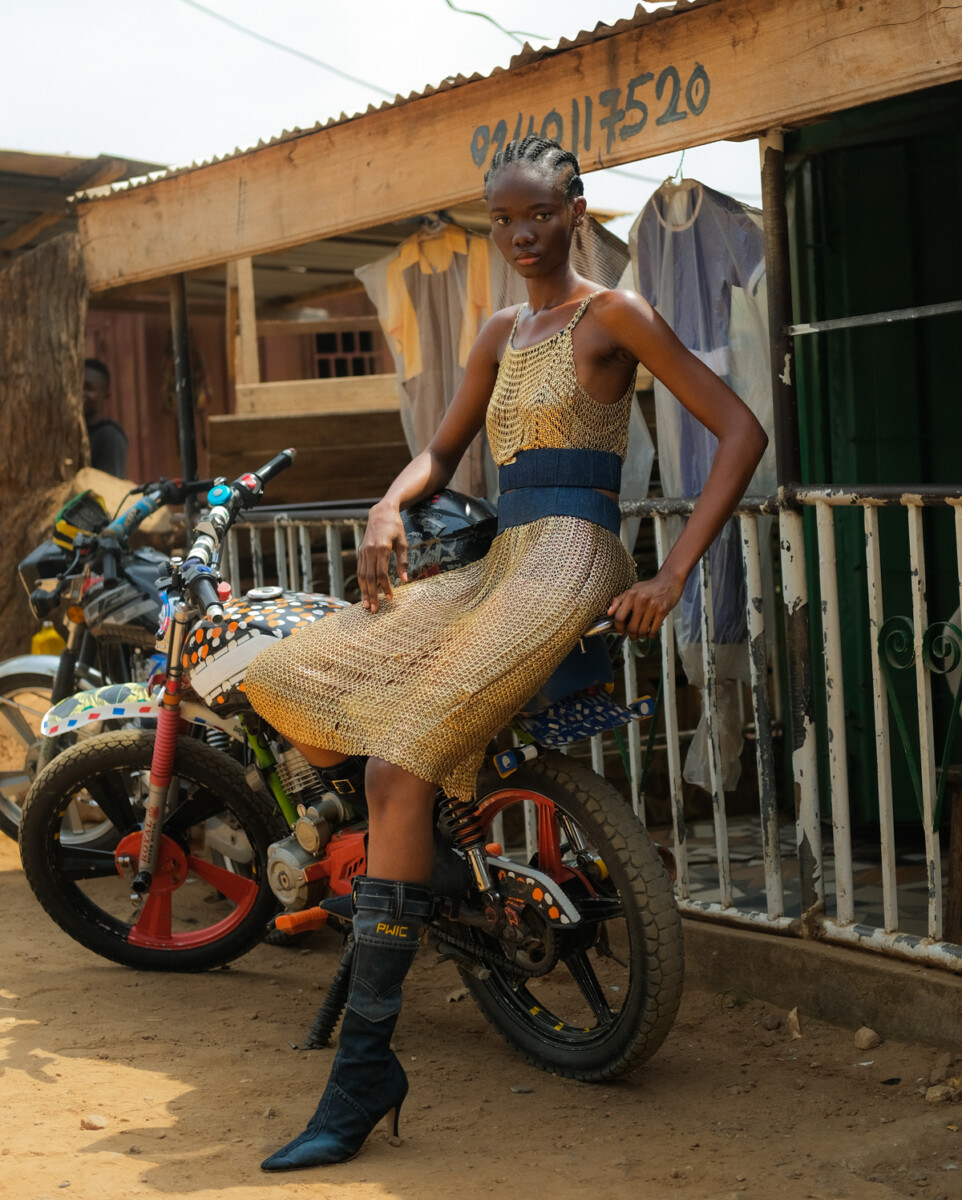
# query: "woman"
x,y
419,679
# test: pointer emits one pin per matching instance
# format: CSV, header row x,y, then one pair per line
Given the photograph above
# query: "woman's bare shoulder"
x,y
494,333
616,304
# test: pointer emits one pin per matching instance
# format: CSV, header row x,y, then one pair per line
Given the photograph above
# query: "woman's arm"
x,y
637,329
430,470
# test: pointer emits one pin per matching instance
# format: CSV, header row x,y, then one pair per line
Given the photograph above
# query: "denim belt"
x,y
562,468
527,504
535,486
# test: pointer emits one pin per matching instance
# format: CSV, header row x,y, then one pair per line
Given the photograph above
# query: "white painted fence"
x,y
801,889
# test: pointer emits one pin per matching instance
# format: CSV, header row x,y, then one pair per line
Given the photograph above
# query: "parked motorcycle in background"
x,y
111,617
556,908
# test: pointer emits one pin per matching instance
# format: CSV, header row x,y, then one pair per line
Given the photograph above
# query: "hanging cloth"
x,y
432,295
698,257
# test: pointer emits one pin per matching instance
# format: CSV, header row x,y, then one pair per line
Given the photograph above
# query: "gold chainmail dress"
x,y
430,678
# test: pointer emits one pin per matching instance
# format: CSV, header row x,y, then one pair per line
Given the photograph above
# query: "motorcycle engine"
x,y
320,813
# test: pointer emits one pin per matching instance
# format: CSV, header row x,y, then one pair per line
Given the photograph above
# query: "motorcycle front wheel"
x,y
209,899
600,998
25,695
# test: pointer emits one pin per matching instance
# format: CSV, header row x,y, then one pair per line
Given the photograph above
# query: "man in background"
x,y
108,442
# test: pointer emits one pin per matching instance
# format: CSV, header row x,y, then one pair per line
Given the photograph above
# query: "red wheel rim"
x,y
153,928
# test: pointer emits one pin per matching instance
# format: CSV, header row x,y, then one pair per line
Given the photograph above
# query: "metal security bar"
x,y
785,870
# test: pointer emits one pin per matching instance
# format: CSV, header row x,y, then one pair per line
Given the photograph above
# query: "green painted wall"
x,y
875,209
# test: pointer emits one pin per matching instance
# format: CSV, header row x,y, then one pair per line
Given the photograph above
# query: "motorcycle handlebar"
x,y
280,462
226,500
111,566
154,496
202,586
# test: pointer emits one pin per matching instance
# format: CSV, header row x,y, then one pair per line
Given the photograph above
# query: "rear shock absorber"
x,y
462,819
218,739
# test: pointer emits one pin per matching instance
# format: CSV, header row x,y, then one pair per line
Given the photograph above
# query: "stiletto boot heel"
x,y
366,1082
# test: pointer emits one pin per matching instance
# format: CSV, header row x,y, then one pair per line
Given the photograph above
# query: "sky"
x,y
165,81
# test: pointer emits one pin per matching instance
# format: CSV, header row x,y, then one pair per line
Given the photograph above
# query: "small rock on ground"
x,y
866,1039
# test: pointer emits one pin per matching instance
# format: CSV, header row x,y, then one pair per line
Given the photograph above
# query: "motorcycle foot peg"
x,y
304,921
140,884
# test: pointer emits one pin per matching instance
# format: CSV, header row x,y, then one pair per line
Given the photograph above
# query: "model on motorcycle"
x,y
554,904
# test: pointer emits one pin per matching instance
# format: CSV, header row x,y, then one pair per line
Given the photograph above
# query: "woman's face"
x,y
531,221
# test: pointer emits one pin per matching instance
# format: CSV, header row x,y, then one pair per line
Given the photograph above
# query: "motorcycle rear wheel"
x,y
209,900
612,995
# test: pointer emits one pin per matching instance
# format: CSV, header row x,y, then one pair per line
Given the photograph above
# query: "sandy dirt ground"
x,y
194,1078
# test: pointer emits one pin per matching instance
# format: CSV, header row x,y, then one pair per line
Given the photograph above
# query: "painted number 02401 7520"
x,y
621,114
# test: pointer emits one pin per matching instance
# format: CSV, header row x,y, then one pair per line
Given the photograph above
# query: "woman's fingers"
x,y
401,550
373,569
640,612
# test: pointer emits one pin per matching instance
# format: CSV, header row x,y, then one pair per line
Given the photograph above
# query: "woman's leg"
x,y
367,1080
317,756
401,808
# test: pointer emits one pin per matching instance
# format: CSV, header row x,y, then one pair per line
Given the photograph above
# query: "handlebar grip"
x,y
203,588
111,568
280,462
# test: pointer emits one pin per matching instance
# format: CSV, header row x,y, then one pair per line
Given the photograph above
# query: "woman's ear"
x,y
579,206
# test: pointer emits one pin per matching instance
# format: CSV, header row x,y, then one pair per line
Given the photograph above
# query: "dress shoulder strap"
x,y
517,318
582,307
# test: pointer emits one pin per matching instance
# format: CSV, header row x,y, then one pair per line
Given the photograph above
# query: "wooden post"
x,y
186,430
795,606
231,325
247,364
785,398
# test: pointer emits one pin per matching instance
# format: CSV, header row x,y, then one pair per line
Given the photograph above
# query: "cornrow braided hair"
x,y
546,153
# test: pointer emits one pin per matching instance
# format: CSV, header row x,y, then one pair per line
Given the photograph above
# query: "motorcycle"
x,y
111,620
552,902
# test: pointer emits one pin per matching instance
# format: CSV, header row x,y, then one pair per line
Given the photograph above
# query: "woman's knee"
x,y
386,783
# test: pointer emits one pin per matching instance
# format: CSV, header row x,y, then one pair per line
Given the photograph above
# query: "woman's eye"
x,y
543,216
500,220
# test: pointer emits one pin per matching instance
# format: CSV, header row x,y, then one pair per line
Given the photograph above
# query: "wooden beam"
x,y
247,365
353,394
284,328
27,232
239,433
87,175
317,298
722,70
98,173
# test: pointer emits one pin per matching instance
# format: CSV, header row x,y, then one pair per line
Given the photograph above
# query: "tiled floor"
x,y
748,876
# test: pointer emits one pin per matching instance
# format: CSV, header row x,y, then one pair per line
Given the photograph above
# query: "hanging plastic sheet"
x,y
699,258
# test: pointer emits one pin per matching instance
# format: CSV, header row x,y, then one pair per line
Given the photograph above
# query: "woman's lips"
x,y
525,259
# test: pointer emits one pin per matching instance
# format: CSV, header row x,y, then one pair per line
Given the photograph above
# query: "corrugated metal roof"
x,y
525,57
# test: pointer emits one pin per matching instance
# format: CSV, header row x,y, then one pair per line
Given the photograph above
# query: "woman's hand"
x,y
384,534
642,609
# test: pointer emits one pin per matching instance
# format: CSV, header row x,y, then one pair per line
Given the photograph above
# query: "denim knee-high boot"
x,y
366,1079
